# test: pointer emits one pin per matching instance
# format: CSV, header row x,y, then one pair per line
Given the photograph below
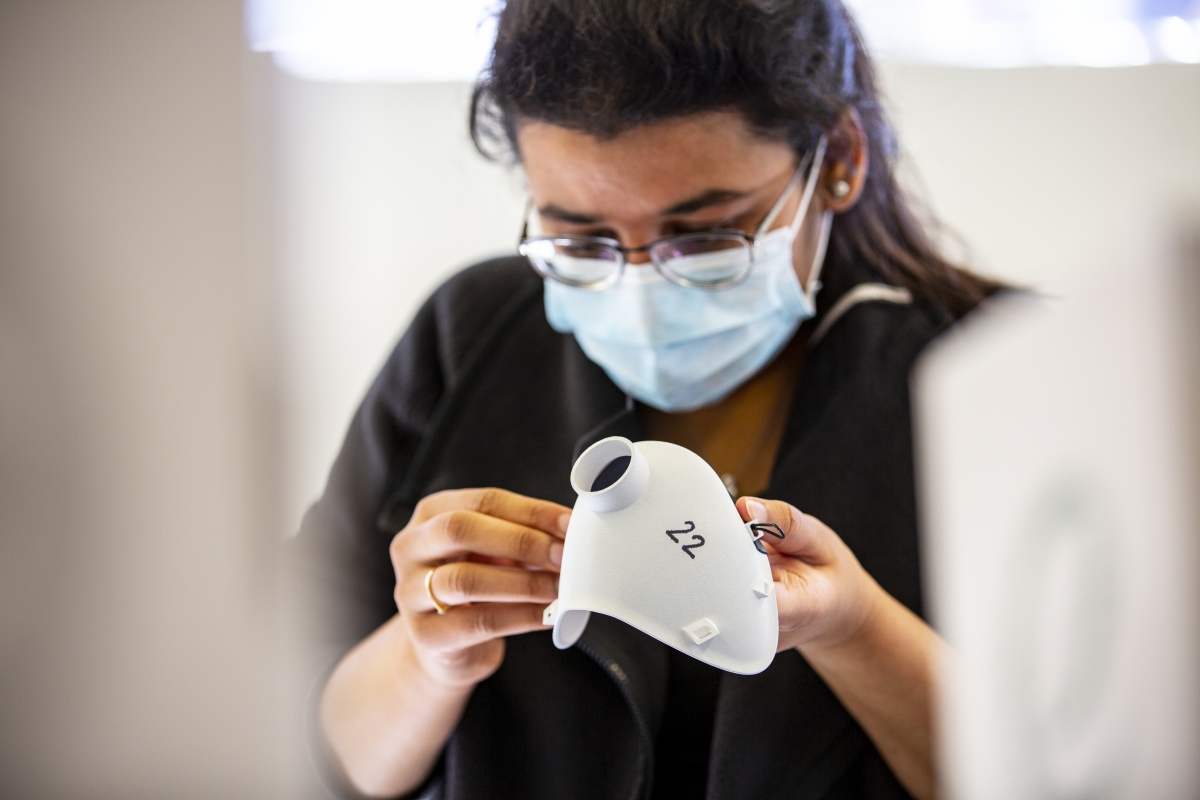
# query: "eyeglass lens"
x,y
713,259
705,260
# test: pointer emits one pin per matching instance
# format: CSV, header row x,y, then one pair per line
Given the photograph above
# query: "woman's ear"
x,y
846,163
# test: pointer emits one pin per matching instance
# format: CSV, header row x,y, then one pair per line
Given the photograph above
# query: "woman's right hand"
x,y
392,702
495,557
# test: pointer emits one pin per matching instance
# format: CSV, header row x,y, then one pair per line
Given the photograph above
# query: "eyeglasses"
x,y
716,259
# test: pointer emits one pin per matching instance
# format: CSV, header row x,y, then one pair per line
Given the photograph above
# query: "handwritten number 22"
x,y
696,538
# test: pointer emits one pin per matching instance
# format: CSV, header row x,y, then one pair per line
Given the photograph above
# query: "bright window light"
x,y
1179,41
1013,33
391,41
449,40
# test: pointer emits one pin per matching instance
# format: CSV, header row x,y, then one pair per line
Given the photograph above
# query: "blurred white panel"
x,y
1058,453
137,495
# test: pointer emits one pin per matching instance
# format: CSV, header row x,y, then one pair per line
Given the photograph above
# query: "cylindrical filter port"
x,y
610,475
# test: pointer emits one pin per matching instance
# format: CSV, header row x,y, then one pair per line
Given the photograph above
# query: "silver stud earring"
x,y
840,190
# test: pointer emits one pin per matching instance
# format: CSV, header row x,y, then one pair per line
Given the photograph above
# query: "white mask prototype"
x,y
656,542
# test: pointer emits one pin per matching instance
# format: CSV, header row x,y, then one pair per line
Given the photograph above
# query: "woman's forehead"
x,y
650,168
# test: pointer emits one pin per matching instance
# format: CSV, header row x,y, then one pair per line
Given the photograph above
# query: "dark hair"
x,y
789,67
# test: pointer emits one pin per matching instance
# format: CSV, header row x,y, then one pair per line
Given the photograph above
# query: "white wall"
x,y
383,197
1041,171
136,493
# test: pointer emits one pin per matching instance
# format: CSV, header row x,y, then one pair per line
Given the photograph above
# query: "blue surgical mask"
x,y
679,348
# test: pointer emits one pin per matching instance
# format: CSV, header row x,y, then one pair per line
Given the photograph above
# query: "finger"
x,y
805,536
466,626
530,512
496,562
464,582
454,535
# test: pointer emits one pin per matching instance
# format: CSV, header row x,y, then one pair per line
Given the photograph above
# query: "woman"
x,y
721,258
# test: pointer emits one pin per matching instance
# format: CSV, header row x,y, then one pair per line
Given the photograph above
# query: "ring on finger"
x,y
437,605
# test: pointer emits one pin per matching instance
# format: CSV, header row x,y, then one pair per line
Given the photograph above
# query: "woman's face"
x,y
683,175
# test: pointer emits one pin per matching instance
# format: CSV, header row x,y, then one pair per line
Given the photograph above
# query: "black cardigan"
x,y
482,392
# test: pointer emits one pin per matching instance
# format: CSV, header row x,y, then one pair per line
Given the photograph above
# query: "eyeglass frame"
x,y
815,159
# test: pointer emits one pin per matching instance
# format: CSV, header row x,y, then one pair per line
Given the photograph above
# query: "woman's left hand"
x,y
877,656
824,595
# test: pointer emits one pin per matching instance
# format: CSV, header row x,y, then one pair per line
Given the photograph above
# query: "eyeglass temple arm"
x,y
816,159
525,222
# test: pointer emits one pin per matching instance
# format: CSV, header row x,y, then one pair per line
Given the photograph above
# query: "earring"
x,y
840,190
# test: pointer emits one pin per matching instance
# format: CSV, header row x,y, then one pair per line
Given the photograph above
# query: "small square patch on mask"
x,y
762,589
701,630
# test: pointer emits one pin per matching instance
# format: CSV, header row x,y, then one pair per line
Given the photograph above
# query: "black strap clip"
x,y
769,528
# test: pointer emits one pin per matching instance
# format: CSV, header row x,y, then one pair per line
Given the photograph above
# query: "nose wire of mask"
x,y
680,348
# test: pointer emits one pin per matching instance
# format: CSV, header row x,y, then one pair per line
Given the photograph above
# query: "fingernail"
x,y
564,521
556,554
757,509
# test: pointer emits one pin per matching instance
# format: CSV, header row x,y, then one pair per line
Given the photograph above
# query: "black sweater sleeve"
x,y
338,574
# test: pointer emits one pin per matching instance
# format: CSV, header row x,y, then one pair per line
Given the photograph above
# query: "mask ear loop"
x,y
810,188
814,168
814,274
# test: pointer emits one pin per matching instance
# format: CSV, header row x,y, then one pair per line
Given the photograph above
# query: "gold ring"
x,y
441,609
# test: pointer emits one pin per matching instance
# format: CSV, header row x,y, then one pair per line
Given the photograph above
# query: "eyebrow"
x,y
705,199
712,197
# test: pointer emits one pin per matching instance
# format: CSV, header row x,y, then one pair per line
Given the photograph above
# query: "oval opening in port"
x,y
611,473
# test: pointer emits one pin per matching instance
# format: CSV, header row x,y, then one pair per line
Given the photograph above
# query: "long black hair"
x,y
789,67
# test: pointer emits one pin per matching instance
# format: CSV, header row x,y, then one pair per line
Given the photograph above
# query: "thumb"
x,y
804,536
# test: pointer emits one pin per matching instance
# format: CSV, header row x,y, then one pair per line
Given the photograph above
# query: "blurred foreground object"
x,y
138,524
1058,451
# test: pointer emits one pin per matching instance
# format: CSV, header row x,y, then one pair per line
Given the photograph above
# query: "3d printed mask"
x,y
656,542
